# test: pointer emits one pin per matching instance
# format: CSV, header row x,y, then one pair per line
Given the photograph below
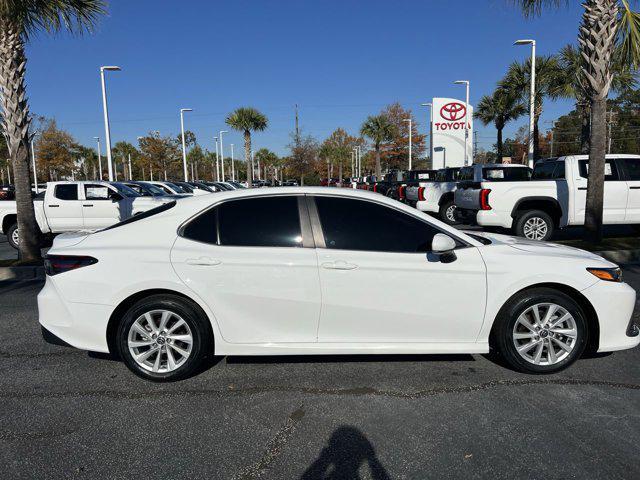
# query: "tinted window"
x,y
253,222
466,174
67,192
610,170
360,225
506,174
632,165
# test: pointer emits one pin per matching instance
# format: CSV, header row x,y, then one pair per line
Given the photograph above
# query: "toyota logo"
x,y
453,111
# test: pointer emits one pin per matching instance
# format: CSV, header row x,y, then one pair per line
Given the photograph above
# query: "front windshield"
x,y
125,190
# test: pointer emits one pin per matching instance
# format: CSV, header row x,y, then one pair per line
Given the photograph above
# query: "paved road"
x,y
68,414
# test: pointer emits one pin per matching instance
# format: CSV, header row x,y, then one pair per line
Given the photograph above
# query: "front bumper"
x,y
614,304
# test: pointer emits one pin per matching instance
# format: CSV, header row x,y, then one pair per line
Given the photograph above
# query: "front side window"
x,y
252,222
67,191
350,224
96,192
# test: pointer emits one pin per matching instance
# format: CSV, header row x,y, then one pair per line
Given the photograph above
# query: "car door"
x,y
252,261
615,193
99,208
63,208
380,282
631,167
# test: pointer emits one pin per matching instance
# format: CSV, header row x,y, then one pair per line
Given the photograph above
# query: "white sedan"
x,y
312,271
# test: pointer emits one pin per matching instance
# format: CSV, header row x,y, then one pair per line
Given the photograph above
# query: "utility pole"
x,y
217,161
233,169
552,138
297,127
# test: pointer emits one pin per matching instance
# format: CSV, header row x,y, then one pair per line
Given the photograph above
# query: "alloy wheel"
x,y
450,213
160,341
535,228
545,334
15,236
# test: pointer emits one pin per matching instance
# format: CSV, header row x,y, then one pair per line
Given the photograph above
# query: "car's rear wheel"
x,y
534,225
541,331
447,213
163,338
13,236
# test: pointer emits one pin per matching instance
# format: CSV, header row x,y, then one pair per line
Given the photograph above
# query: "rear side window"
x,y
67,191
507,174
252,222
632,166
549,170
350,224
610,170
466,174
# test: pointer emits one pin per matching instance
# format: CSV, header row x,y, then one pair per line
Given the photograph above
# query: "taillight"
x,y
421,194
375,188
484,199
401,192
55,264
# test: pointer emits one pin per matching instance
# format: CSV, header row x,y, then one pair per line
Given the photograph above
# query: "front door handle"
x,y
54,206
87,204
203,261
339,265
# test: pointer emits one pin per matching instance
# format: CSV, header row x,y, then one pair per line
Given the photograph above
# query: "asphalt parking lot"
x,y
70,414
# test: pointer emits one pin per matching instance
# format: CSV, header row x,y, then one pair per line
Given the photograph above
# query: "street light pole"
x,y
466,120
532,97
222,153
430,132
184,145
233,168
130,174
410,141
99,157
217,161
33,161
105,109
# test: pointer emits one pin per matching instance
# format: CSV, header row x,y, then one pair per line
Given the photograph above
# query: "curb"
x,y
21,273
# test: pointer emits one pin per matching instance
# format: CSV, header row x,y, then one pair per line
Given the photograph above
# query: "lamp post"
x,y
410,141
233,168
130,174
222,153
100,157
105,109
532,96
217,161
430,133
184,145
466,120
444,155
33,161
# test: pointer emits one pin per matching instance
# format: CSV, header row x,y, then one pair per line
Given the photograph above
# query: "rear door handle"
x,y
339,265
54,206
203,261
87,205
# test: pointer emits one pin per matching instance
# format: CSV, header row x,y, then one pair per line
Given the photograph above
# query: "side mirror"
x,y
443,247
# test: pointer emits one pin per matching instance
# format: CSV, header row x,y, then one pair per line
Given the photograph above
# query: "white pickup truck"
x,y
554,198
73,206
435,196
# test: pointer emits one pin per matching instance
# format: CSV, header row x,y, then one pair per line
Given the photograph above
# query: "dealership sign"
x,y
448,132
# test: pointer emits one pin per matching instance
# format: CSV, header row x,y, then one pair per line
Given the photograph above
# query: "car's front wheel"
x,y
541,331
163,338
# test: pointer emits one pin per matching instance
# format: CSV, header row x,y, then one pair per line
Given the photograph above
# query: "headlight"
x,y
607,274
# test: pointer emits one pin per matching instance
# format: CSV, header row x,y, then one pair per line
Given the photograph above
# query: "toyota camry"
x,y
324,271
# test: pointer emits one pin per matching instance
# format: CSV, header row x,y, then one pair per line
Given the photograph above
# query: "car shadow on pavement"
x,y
343,457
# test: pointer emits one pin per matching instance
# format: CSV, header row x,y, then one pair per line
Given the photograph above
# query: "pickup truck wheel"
x,y
540,330
534,225
447,213
13,236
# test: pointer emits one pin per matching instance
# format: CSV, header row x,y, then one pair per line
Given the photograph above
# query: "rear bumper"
x,y
494,218
426,206
80,325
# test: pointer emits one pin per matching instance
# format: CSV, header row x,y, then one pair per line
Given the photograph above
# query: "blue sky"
x,y
339,60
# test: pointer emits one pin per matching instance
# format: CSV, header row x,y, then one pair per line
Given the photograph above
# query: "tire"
x,y
13,236
446,213
183,320
510,334
534,225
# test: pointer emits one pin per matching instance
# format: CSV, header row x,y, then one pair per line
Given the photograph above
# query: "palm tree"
x,y
606,25
379,129
499,108
19,21
516,83
572,86
246,120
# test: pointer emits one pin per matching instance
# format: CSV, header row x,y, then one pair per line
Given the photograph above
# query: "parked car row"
x,y
70,206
